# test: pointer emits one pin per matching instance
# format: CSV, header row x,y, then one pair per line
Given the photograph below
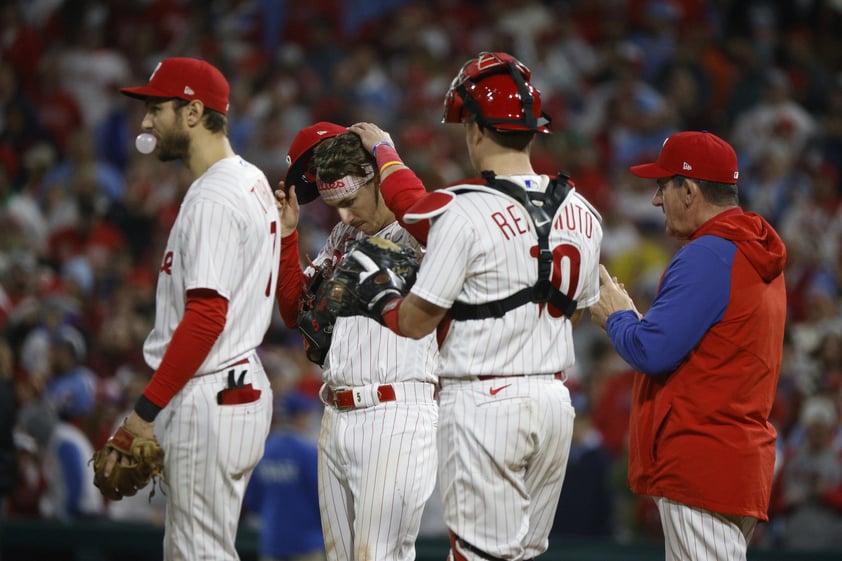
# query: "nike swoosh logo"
x,y
495,391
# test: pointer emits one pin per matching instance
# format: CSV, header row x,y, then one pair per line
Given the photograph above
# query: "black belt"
x,y
558,376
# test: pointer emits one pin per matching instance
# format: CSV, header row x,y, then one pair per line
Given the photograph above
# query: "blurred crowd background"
x,y
84,216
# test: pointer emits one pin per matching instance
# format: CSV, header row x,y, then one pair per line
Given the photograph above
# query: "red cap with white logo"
x,y
298,158
186,78
698,155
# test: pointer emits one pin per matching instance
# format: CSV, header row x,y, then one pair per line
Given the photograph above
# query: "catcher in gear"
x,y
505,414
126,464
372,272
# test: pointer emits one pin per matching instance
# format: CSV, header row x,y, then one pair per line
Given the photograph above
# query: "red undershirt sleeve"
x,y
391,315
203,321
290,280
401,189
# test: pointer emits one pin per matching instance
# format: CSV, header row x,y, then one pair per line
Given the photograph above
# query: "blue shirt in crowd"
x,y
284,491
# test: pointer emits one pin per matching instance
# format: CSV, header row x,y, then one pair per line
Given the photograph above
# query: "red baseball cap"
x,y
699,155
186,78
298,158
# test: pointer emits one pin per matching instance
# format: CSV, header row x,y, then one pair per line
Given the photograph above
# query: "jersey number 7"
x,y
273,231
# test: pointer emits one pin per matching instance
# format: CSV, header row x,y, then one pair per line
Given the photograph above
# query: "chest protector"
x,y
541,207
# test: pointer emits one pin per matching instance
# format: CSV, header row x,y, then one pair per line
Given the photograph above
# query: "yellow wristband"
x,y
388,164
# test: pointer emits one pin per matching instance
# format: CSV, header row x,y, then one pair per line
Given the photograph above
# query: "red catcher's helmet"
x,y
494,89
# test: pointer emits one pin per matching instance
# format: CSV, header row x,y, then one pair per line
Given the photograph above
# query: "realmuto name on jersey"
x,y
575,217
511,222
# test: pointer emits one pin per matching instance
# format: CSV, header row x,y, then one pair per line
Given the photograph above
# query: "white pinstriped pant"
x,y
503,450
695,534
377,468
210,451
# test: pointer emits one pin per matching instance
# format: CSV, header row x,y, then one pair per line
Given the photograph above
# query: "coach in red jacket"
x,y
708,356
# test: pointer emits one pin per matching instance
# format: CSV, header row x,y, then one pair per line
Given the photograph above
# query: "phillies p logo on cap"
x,y
186,78
698,155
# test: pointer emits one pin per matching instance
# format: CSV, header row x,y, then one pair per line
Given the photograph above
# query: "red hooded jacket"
x,y
709,354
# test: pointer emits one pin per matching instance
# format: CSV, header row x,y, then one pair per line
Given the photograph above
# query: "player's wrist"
x,y
145,409
390,314
379,302
378,145
387,158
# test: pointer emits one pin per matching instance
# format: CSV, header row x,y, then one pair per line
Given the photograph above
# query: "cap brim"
x,y
305,190
309,137
143,92
650,171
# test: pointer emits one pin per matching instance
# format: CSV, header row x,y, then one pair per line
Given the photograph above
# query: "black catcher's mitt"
x,y
373,271
315,320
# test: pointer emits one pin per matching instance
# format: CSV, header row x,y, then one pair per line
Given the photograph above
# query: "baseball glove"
x,y
145,462
315,321
372,272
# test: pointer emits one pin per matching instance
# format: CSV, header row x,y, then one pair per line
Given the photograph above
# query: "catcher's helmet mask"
x,y
494,89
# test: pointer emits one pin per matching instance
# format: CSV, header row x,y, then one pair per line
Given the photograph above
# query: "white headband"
x,y
343,187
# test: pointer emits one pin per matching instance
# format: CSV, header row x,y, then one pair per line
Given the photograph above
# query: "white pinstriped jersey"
x,y
480,249
362,351
226,238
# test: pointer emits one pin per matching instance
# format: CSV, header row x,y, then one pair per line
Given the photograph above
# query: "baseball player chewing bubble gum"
x,y
208,402
379,388
511,262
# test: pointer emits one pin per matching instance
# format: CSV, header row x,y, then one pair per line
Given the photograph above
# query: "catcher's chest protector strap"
x,y
542,208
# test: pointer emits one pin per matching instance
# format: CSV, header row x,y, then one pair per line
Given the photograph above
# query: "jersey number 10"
x,y
568,260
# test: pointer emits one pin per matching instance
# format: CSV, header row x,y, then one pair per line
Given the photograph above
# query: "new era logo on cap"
x,y
186,78
699,155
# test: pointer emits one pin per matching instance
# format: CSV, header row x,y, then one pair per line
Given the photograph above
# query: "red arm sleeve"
x,y
291,280
203,321
401,189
